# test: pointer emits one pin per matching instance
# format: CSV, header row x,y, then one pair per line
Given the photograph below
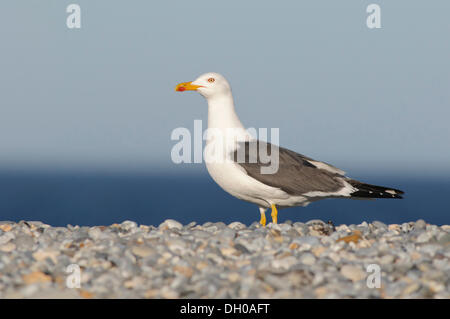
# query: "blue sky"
x,y
102,96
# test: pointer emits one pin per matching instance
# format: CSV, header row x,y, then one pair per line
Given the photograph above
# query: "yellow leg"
x,y
263,217
274,214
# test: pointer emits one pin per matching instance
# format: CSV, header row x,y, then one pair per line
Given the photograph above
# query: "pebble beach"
x,y
214,260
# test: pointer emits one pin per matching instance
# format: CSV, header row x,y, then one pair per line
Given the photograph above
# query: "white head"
x,y
209,85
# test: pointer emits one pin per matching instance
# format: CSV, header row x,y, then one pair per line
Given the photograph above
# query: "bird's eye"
x,y
211,80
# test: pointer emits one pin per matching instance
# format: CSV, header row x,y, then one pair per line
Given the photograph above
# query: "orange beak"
x,y
186,86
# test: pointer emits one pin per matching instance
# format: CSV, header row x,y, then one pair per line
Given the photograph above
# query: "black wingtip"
x,y
374,191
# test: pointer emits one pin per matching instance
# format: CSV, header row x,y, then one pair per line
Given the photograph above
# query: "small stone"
x,y
307,259
202,265
191,225
254,225
394,227
387,259
434,286
309,240
211,228
415,255
95,233
133,283
30,290
170,224
229,251
142,251
420,224
275,235
285,227
237,226
201,234
354,237
128,225
444,240
151,293
406,227
41,255
5,227
284,263
24,242
79,236
301,228
319,250
315,222
86,294
36,277
363,225
319,228
343,228
227,233
6,238
314,232
410,289
378,224
234,277
423,238
8,247
353,273
242,248
321,292
185,271
169,293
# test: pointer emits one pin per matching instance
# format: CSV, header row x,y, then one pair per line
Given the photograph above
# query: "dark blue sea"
x,y
61,198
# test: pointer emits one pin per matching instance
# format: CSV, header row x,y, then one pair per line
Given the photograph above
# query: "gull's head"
x,y
209,85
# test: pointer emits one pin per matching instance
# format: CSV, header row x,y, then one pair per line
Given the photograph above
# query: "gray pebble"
x,y
420,224
24,242
170,224
310,240
378,224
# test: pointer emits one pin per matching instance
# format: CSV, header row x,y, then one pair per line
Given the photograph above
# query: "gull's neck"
x,y
225,129
221,113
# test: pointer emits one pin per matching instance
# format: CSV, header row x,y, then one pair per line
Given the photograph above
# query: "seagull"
x,y
234,161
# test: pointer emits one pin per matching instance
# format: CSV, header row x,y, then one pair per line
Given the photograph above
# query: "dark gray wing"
x,y
296,174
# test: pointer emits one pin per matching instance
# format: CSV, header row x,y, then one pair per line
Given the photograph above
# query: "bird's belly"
x,y
236,182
